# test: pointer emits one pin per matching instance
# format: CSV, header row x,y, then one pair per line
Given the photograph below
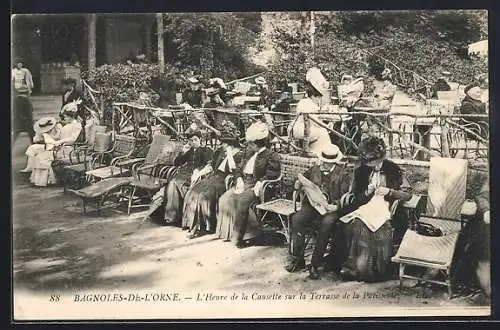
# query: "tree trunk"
x,y
161,51
91,21
207,56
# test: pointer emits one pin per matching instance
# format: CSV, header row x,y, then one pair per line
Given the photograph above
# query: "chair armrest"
x,y
126,161
265,185
295,196
167,172
346,199
142,168
413,202
394,207
229,181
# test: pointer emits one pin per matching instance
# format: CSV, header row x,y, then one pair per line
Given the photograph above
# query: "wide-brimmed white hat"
x,y
330,154
317,80
260,81
44,125
193,80
71,106
257,131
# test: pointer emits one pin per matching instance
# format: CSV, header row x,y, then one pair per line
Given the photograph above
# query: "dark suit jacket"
x,y
198,159
267,165
334,184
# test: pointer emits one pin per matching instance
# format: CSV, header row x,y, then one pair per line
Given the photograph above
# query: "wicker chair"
x,y
73,174
283,206
122,155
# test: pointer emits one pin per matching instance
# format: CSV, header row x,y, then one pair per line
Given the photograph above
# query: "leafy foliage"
x,y
214,43
425,42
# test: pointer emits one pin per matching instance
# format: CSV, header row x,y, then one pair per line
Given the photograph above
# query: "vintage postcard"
x,y
229,165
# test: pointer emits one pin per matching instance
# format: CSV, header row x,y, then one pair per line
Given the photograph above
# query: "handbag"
x,y
426,229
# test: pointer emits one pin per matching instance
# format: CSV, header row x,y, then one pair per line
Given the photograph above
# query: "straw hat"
x,y
317,80
44,125
330,154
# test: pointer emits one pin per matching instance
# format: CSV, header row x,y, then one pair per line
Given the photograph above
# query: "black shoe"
x,y
314,273
241,245
196,234
295,264
170,222
347,274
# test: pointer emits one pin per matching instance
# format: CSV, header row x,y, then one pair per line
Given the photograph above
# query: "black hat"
x,y
69,81
193,133
371,148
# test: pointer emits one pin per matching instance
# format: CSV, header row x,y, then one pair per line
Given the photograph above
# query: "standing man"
x,y
332,179
22,86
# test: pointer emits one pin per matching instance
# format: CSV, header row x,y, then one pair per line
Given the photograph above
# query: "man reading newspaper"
x,y
321,188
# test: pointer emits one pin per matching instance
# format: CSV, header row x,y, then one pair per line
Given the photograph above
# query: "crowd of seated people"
x,y
215,190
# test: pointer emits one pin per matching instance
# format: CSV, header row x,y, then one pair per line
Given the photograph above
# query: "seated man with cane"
x,y
328,179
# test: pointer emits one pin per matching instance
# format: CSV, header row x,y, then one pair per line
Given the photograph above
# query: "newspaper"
x,y
314,194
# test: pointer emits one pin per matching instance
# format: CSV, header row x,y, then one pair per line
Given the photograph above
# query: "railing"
x,y
408,137
409,80
97,109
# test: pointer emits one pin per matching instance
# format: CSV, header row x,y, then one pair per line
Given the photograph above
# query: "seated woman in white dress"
x,y
54,143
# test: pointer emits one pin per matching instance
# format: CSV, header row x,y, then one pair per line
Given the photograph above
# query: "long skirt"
x,y
166,204
200,203
174,198
368,253
242,215
226,215
40,162
236,216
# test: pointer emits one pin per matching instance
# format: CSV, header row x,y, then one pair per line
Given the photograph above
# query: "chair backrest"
x,y
291,166
123,145
447,184
92,131
156,149
102,141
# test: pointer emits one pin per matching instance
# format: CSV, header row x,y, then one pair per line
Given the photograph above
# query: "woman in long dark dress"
x,y
167,204
200,202
237,206
370,248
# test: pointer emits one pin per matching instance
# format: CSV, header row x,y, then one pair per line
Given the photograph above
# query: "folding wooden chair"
x,y
445,210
